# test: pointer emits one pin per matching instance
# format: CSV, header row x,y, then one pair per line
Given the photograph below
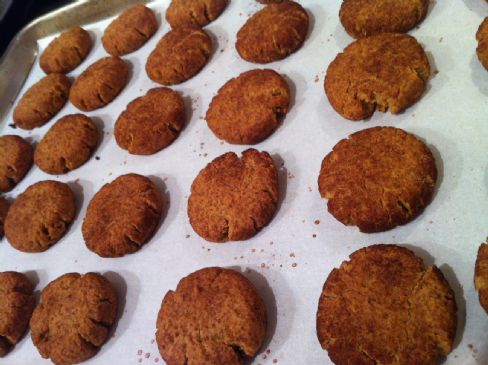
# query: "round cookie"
x,y
66,52
15,161
385,71
99,84
377,179
16,305
248,108
384,307
232,198
42,101
74,317
130,30
482,38
481,275
273,33
214,317
363,18
40,216
67,145
150,122
122,216
179,55
182,13
4,206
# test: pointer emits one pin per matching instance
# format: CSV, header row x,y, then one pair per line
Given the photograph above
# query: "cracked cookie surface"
x,y
40,216
232,198
15,161
99,84
384,307
67,145
182,13
66,52
4,206
122,216
16,305
273,33
363,18
179,55
481,275
150,122
214,317
248,108
377,179
42,101
482,38
74,317
130,30
385,72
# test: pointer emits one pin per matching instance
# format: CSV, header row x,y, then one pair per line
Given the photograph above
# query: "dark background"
x,y
21,12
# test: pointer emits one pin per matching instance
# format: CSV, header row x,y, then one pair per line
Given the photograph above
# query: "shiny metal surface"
x,y
22,51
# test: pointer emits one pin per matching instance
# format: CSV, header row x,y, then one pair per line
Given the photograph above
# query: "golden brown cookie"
x,y
248,108
482,38
182,13
74,317
384,307
273,33
40,216
130,30
363,18
179,55
4,206
42,101
150,122
122,216
67,145
16,305
481,275
377,179
232,198
15,161
66,52
214,317
99,84
386,71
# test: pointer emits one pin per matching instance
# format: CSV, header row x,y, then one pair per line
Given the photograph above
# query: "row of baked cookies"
x,y
383,299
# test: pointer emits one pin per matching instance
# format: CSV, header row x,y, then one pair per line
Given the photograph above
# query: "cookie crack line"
x,y
87,342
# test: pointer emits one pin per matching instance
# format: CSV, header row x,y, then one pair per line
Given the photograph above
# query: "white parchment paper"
x,y
290,259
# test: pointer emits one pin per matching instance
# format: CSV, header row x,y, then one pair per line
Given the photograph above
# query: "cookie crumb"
x,y
292,254
294,264
147,355
12,125
314,235
139,352
317,222
97,158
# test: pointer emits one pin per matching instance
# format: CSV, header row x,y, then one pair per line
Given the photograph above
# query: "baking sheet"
x,y
290,259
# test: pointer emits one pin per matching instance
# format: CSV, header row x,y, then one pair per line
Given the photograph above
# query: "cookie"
x,y
179,55
130,30
481,275
66,52
122,216
67,145
232,198
214,317
15,161
4,205
150,122
385,71
182,13
384,307
248,108
16,305
377,179
73,319
273,33
40,216
99,84
482,38
363,18
42,101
